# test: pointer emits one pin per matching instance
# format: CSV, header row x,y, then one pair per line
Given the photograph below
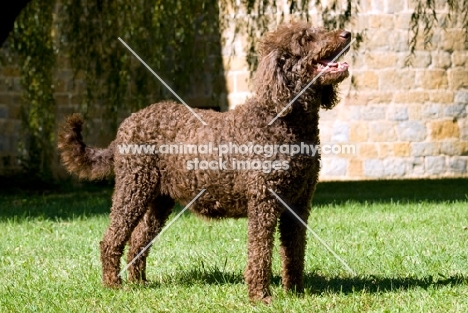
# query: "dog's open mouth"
x,y
331,67
330,64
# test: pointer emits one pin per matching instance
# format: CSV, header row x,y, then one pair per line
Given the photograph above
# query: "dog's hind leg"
x,y
148,228
292,249
131,199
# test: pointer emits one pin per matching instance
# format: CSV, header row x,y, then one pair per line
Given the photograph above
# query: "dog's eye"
x,y
282,60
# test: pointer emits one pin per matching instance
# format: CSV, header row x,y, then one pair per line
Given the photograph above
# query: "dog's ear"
x,y
329,97
271,81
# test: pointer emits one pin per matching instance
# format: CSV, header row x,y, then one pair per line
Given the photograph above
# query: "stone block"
x,y
405,97
382,131
414,111
434,79
411,131
334,166
441,5
367,80
379,40
346,112
374,168
340,132
397,113
377,5
327,115
326,130
359,132
356,100
384,149
355,168
378,60
419,149
358,23
421,59
381,21
461,97
396,6
457,165
62,99
440,130
441,60
3,111
401,149
441,96
394,167
381,97
416,167
463,125
435,165
234,63
4,143
450,148
402,20
400,40
373,113
368,150
242,82
459,58
237,99
453,39
6,98
5,84
455,110
231,82
431,111
396,80
458,78
463,145
9,71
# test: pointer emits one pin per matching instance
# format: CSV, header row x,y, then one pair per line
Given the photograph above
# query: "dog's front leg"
x,y
293,244
262,221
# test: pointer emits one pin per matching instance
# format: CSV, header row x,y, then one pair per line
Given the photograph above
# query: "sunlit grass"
x,y
409,253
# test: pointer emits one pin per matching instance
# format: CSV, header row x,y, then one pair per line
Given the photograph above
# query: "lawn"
x,y
406,240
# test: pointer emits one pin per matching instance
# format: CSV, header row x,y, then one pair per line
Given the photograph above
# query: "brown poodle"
x,y
148,184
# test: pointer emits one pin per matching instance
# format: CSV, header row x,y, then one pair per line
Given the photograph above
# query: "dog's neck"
x,y
302,113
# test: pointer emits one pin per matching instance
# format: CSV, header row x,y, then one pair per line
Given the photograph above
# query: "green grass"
x,y
406,240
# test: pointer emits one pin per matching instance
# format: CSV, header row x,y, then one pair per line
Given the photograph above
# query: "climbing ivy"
x,y
173,37
425,19
32,44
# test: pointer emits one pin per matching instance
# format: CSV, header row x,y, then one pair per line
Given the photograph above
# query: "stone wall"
x,y
403,121
10,124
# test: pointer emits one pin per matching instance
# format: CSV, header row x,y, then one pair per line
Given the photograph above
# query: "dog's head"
x,y
295,55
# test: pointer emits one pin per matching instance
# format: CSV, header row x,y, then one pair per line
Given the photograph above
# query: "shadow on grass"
x,y
392,191
69,201
317,284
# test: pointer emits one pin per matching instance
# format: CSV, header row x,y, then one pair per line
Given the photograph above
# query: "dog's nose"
x,y
345,34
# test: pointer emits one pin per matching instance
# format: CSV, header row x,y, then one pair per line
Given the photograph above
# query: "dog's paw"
x,y
263,297
267,300
112,282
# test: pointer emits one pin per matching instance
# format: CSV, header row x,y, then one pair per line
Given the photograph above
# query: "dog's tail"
x,y
86,162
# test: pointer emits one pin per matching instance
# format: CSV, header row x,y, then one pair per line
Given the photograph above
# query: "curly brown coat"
x,y
147,185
